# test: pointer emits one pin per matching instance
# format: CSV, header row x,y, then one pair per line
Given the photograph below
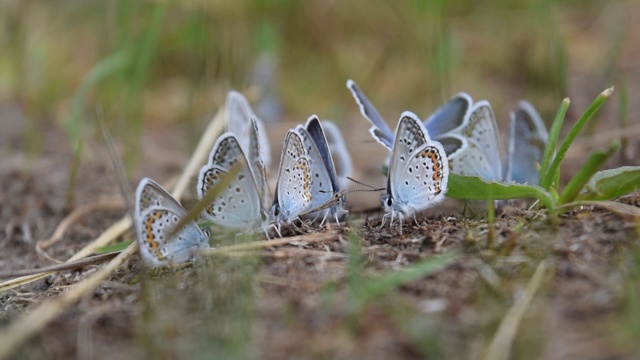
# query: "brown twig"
x,y
59,267
70,219
18,332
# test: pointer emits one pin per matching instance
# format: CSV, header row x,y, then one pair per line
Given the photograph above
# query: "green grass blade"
x,y
554,169
377,287
552,142
119,246
623,115
474,188
595,161
609,184
143,57
355,264
99,72
105,68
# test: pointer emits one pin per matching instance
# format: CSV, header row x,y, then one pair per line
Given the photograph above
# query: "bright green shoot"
x,y
587,185
549,174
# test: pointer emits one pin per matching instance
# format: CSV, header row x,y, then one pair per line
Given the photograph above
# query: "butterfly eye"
x,y
389,201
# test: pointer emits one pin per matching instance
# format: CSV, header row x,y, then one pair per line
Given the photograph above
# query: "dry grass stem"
x,y
500,347
18,332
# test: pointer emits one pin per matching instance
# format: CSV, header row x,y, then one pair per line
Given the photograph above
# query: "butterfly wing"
x,y
256,163
156,215
239,115
481,156
527,140
339,153
449,116
293,191
419,170
379,128
240,205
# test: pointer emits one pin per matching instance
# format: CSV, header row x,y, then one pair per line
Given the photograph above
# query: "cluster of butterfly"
x,y
460,136
308,185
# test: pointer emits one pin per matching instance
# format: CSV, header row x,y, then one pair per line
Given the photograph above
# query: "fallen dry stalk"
x,y
310,238
105,238
29,325
18,332
61,266
500,347
76,215
69,220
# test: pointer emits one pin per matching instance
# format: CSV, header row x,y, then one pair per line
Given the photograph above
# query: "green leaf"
x,y
552,142
554,169
377,287
595,162
474,188
113,247
609,184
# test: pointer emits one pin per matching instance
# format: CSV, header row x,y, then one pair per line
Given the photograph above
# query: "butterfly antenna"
x,y
123,184
363,184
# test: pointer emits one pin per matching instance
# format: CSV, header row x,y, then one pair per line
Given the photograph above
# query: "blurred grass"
x,y
185,55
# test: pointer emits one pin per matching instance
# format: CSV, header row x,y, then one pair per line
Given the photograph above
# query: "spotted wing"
x,y
240,204
481,156
293,191
323,184
156,215
419,172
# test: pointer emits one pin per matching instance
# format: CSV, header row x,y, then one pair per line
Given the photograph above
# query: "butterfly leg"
x,y
383,220
340,212
326,214
274,226
347,214
296,227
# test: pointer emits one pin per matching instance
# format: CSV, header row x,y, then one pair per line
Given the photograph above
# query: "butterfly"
x,y
326,197
156,215
339,153
255,144
418,171
527,140
468,133
243,204
293,189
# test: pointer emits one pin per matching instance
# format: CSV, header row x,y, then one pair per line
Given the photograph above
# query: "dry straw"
x,y
17,333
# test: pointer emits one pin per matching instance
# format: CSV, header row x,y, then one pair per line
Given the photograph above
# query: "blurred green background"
x,y
166,62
